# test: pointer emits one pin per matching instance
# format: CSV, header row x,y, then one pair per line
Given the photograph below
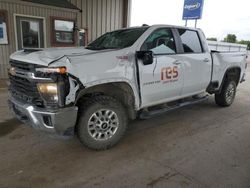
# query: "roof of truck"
x,y
165,25
159,26
175,26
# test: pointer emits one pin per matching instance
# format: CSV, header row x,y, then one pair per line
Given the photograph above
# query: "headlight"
x,y
48,91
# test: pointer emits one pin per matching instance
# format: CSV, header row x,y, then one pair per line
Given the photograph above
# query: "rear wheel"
x,y
227,94
102,122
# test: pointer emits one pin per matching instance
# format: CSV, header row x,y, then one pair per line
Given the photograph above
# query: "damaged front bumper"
x,y
60,121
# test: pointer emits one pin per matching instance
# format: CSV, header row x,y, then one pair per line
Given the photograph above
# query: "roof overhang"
x,y
56,3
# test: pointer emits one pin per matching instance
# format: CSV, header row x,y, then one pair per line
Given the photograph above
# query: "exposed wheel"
x,y
227,95
102,122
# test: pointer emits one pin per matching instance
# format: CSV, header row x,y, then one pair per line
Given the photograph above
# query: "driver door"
x,y
162,80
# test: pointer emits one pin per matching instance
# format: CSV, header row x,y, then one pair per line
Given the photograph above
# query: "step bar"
x,y
153,113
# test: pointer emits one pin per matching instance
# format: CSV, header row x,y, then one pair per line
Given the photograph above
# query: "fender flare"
x,y
86,87
225,74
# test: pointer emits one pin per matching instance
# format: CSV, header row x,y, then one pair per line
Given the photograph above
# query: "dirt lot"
x,y
199,146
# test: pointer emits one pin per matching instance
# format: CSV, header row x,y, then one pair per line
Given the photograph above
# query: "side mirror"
x,y
145,56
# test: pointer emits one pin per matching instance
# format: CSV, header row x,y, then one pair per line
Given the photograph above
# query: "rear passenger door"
x,y
197,63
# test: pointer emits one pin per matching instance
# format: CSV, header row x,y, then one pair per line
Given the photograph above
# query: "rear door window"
x,y
190,41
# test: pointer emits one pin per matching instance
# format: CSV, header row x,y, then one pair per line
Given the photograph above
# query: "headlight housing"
x,y
60,70
48,92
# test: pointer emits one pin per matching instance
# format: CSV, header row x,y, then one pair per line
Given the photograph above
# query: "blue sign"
x,y
192,9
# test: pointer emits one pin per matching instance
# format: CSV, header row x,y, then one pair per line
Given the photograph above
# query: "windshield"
x,y
117,39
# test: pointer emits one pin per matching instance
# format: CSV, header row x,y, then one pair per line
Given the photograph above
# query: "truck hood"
x,y
48,55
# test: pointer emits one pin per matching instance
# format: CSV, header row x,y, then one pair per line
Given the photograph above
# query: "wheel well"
x,y
233,74
120,90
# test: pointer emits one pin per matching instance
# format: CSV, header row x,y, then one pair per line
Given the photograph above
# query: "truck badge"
x,y
12,71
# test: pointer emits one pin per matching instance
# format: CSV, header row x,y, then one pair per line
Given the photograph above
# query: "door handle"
x,y
206,60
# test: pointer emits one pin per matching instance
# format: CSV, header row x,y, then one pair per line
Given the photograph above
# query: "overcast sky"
x,y
220,17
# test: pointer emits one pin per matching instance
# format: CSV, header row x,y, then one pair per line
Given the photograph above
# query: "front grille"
x,y
23,85
27,67
22,88
22,65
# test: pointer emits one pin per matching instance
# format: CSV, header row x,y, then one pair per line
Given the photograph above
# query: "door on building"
x,y
29,32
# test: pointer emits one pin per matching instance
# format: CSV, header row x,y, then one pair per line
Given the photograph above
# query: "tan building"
x,y
56,23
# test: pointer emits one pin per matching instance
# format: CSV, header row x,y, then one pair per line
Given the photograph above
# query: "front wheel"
x,y
102,122
227,94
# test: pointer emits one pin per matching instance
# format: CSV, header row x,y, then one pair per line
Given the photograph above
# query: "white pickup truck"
x,y
131,73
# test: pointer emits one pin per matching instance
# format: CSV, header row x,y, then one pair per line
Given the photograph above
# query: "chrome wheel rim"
x,y
230,93
103,124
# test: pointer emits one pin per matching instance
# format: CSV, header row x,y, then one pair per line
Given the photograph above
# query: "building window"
x,y
30,34
63,33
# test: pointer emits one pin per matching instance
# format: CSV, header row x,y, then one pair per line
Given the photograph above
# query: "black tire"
x,y
226,96
92,118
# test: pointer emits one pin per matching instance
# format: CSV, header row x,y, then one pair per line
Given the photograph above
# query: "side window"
x,y
160,41
190,41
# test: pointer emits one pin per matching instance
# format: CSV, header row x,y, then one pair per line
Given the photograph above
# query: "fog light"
x,y
47,120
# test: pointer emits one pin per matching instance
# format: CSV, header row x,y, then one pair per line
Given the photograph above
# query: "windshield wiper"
x,y
90,48
101,48
109,48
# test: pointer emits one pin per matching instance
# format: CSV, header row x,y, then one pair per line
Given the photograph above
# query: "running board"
x,y
153,113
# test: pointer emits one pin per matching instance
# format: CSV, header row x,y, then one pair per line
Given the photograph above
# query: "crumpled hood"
x,y
49,55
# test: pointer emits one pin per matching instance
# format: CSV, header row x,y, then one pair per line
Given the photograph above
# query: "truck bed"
x,y
223,60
